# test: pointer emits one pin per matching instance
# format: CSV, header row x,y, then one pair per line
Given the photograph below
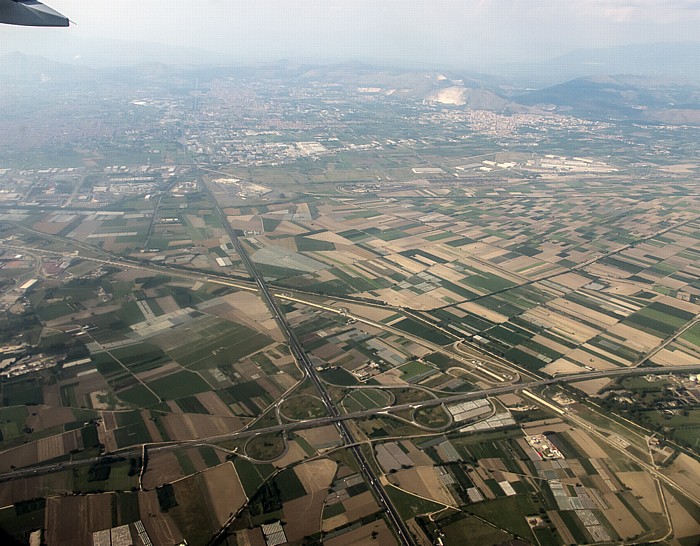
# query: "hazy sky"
x,y
438,32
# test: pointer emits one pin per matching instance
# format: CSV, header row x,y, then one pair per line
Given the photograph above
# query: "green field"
x,y
265,447
507,513
490,444
130,313
410,506
487,282
55,310
252,475
221,344
390,234
470,530
138,395
433,417
106,365
333,510
659,319
289,486
574,525
414,370
12,421
339,376
190,404
25,390
133,434
305,244
423,331
179,385
364,399
19,521
209,456
104,476
186,464
270,224
526,360
692,335
243,393
422,253
140,357
303,407
128,504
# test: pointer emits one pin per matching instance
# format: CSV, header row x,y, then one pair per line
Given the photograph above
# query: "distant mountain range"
x,y
678,62
670,61
18,68
619,97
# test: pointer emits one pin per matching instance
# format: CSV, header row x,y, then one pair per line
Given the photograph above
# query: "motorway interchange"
x,y
505,377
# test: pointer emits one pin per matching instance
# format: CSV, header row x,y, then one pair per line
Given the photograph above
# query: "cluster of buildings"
x,y
15,366
524,127
84,187
544,447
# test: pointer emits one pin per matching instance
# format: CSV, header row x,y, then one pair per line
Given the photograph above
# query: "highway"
x,y
399,526
335,418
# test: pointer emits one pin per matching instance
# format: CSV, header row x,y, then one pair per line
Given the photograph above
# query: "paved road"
x,y
334,415
405,538
340,418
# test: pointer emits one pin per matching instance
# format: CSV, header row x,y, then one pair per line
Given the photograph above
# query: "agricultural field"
x,y
134,353
147,358
582,494
386,354
156,299
359,400
528,301
202,504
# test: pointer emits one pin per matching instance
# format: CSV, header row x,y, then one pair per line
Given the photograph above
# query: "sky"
x,y
436,32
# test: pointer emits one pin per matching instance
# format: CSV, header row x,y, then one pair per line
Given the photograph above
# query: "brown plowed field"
x,y
360,506
49,448
194,426
250,537
225,491
363,536
162,468
47,417
303,515
70,521
109,420
214,404
316,475
320,436
621,518
19,457
40,486
423,482
160,526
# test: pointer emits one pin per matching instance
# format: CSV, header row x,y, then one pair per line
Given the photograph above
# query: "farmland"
x,y
416,252
166,358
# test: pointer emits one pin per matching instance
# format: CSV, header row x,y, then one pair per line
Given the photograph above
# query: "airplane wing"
x,y
30,13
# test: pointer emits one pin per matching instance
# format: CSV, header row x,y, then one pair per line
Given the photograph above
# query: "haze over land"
x,y
487,36
328,273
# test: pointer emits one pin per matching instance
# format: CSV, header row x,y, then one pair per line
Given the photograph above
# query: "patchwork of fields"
x,y
396,300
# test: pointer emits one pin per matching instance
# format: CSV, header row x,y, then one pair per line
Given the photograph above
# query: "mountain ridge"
x,y
627,96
